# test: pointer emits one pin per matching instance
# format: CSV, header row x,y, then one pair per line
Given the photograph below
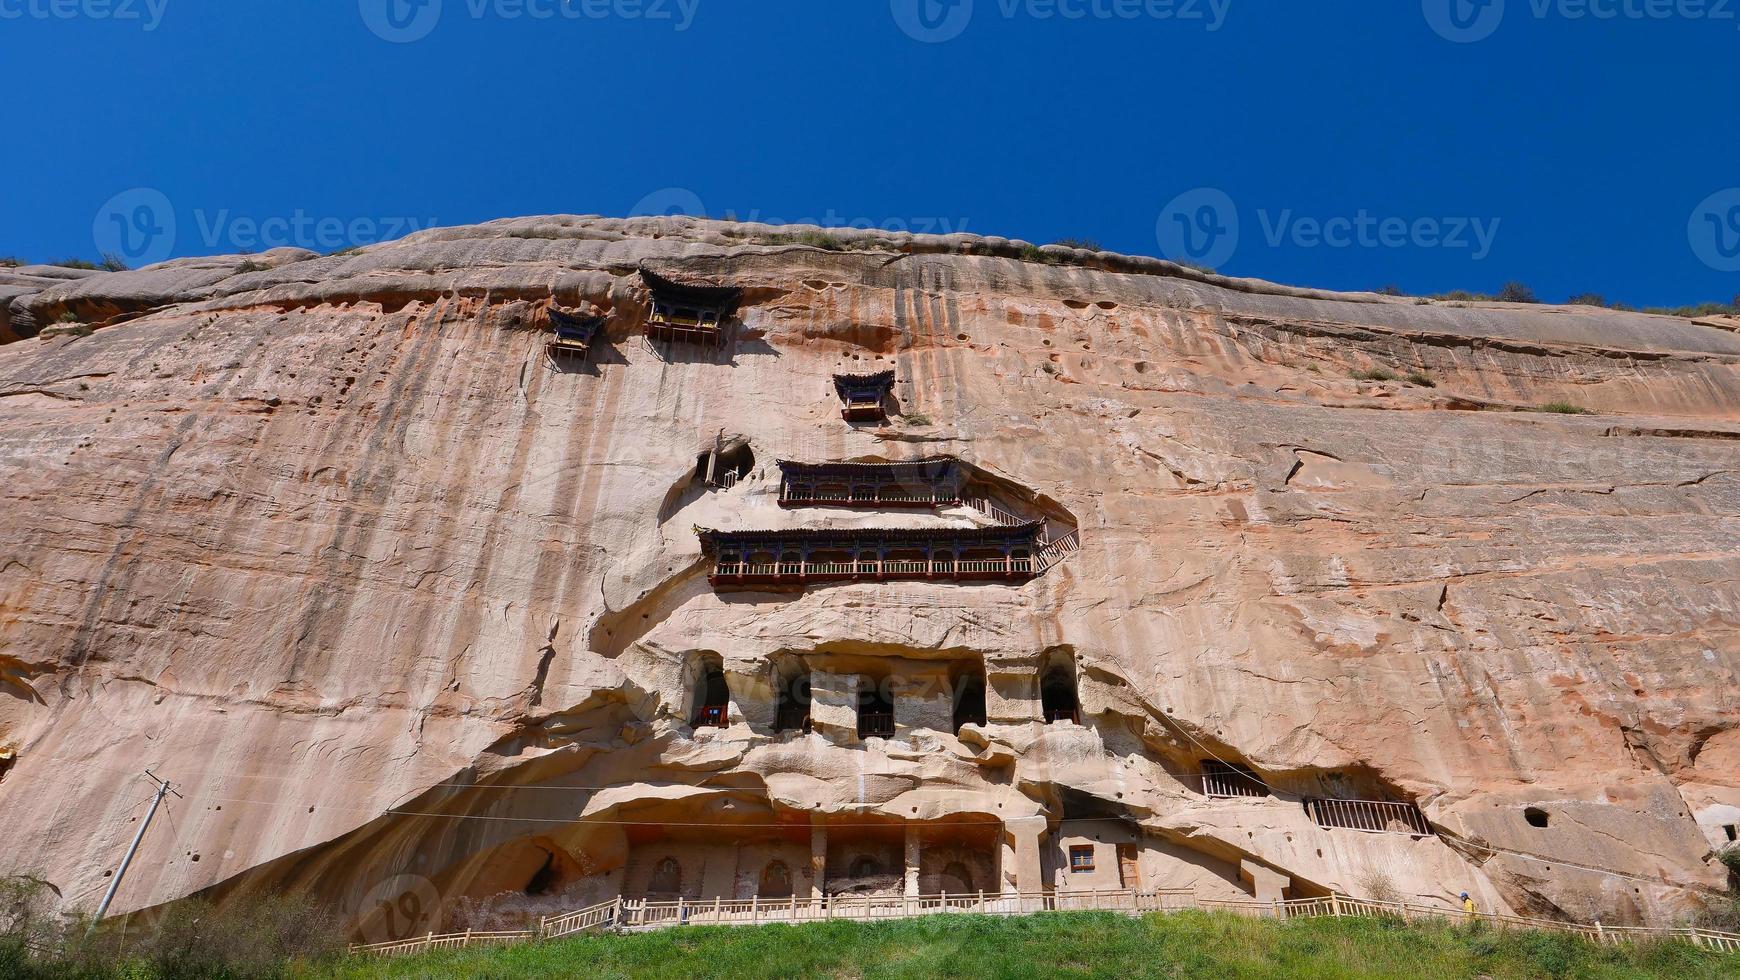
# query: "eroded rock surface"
x,y
413,616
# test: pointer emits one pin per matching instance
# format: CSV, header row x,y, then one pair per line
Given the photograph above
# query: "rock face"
x,y
416,616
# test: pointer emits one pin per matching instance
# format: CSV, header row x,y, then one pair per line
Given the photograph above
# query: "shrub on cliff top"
x,y
1563,408
1516,292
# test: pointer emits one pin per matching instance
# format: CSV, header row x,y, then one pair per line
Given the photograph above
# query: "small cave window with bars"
x,y
864,397
689,313
571,335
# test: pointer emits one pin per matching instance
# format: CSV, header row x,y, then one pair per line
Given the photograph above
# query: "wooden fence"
x,y
638,915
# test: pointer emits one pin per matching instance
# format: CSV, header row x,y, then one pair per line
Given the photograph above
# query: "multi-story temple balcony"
x,y
805,557
863,396
923,484
571,336
687,313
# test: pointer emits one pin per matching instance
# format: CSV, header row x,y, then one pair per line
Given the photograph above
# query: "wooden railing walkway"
x,y
644,914
1057,550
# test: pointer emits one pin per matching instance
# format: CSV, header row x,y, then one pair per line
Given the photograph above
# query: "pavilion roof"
x,y
692,294
578,327
844,383
938,464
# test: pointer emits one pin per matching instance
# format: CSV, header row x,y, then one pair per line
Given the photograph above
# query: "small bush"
x,y
1421,379
1086,243
813,239
252,266
1033,253
10,261
1692,312
1516,292
68,317
78,264
917,420
1587,299
1199,267
1390,289
1374,374
114,263
1563,408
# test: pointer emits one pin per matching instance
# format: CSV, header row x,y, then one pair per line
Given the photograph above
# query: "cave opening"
x,y
712,695
795,694
969,690
1057,692
544,879
1537,817
875,707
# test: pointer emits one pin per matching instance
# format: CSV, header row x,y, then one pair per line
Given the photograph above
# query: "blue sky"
x,y
1354,143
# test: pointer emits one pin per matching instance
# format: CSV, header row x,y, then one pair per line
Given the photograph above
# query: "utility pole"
x,y
163,789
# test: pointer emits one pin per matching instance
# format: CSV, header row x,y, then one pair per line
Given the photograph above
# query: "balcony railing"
x,y
1370,816
740,573
1231,785
671,327
868,497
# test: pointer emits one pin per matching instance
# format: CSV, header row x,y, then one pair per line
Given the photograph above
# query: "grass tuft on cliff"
x,y
1190,944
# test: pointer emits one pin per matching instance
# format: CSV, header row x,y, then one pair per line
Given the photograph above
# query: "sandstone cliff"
x,y
413,614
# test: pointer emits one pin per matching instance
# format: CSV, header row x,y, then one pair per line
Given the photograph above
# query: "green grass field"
x,y
1079,945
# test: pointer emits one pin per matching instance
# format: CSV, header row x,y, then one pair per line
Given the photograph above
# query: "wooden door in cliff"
x,y
1127,873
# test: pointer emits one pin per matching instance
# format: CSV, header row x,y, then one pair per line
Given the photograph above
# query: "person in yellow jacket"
x,y
1468,911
